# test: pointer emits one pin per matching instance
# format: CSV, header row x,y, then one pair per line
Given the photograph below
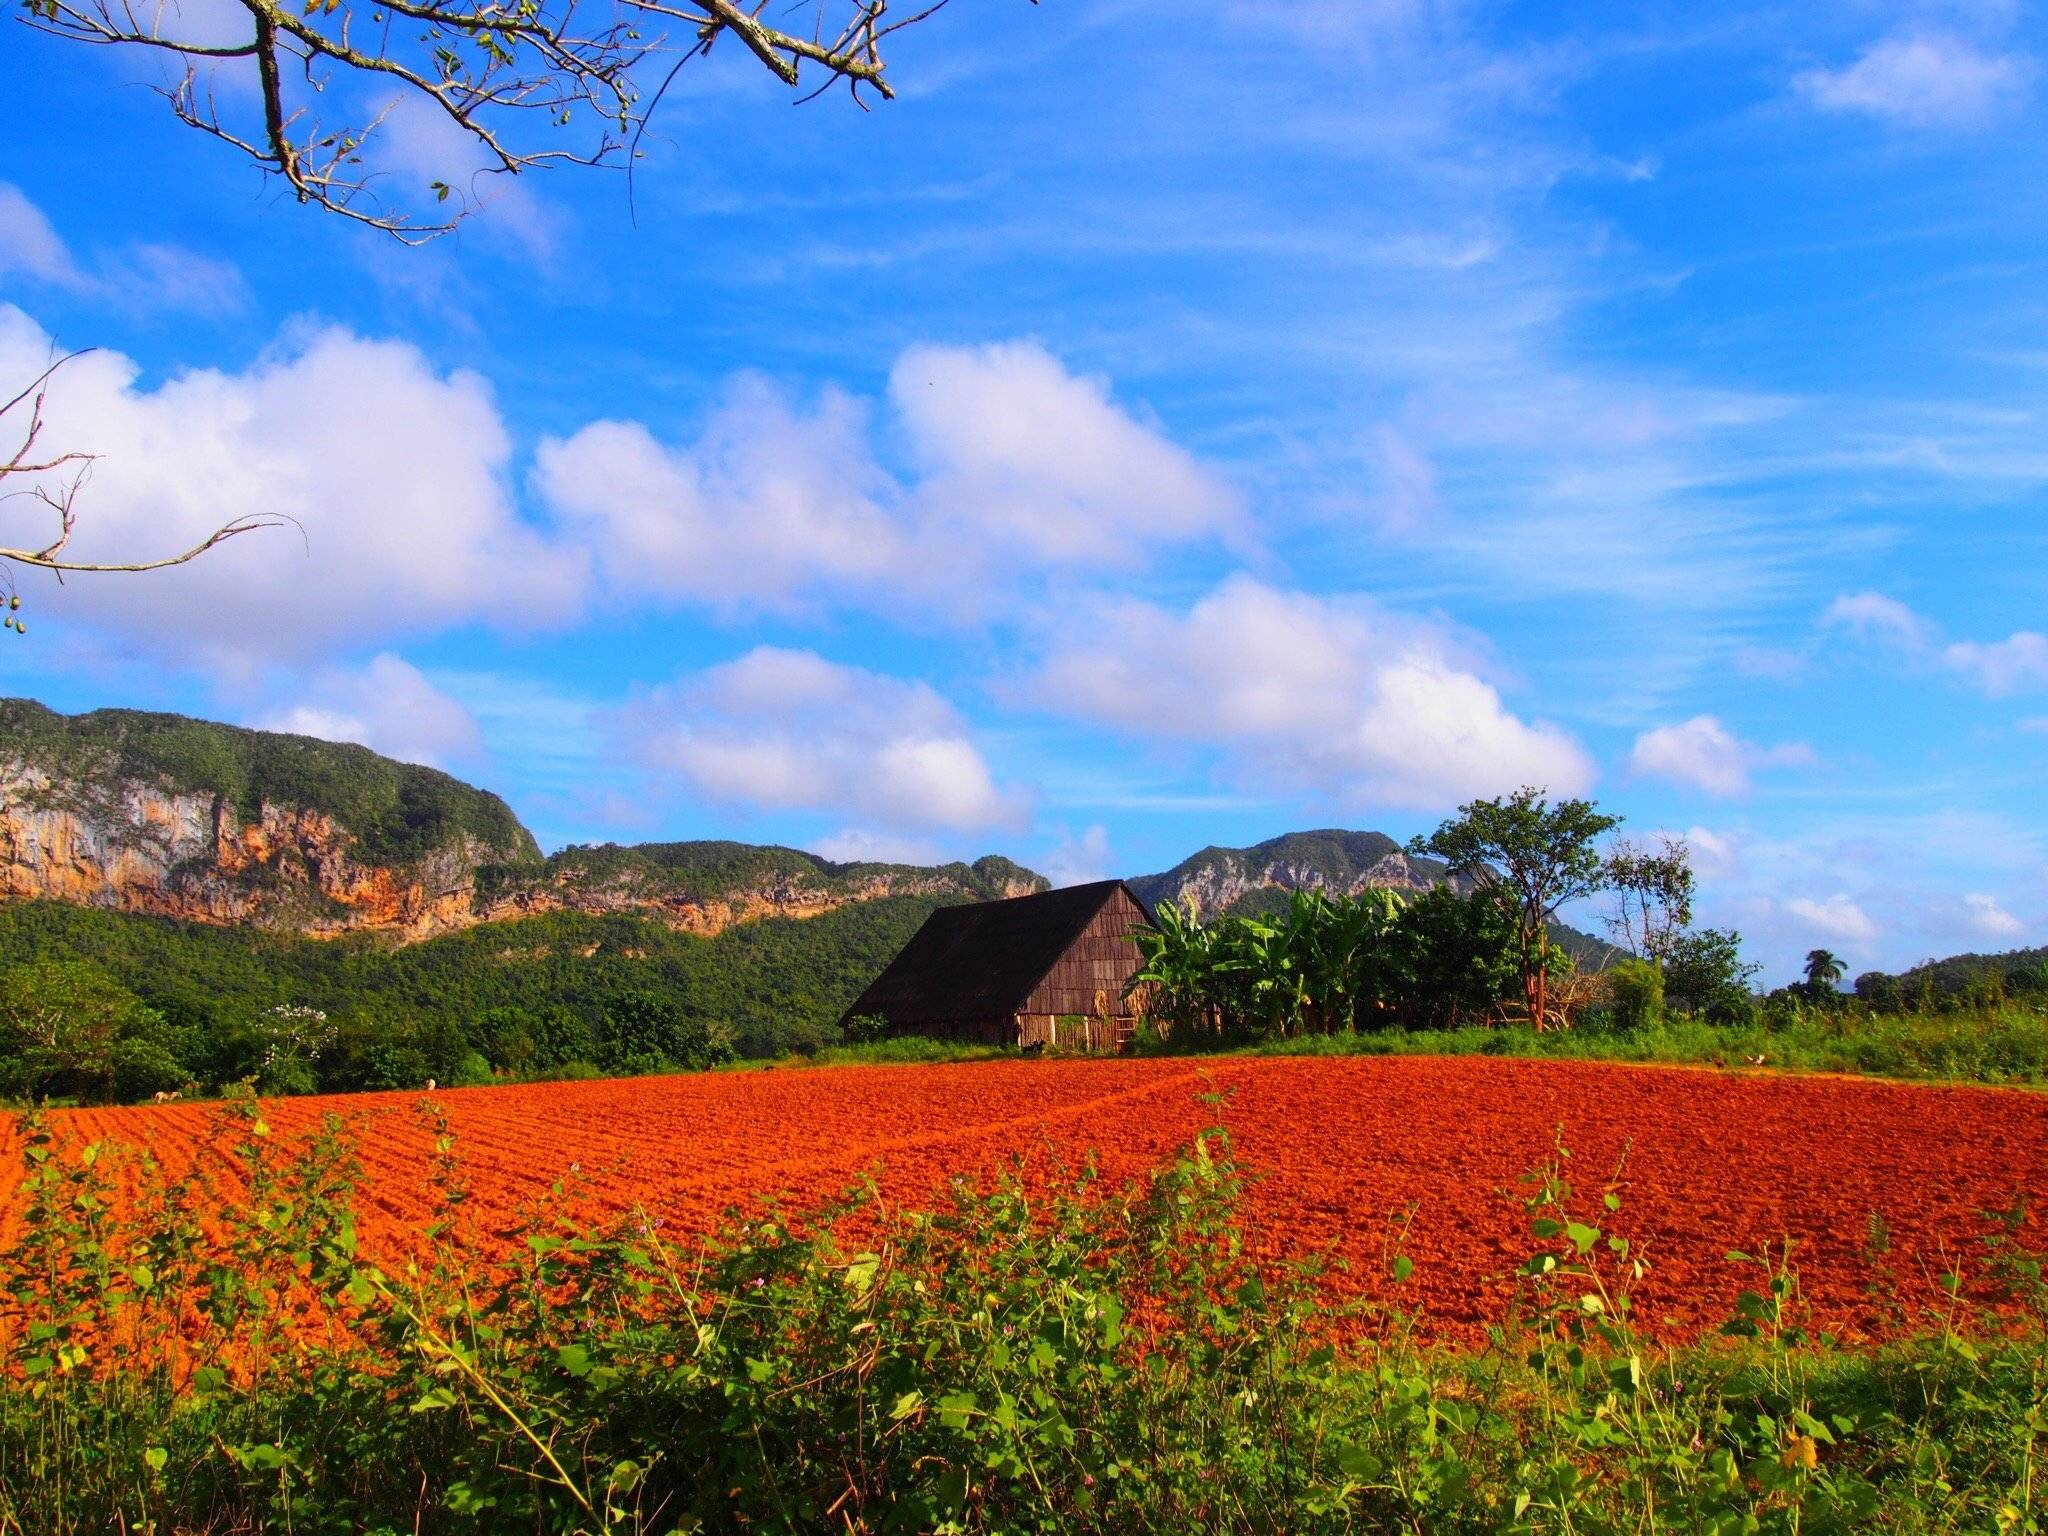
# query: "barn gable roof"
x,y
984,961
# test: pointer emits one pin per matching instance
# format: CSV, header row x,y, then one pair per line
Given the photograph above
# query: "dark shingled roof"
x,y
982,961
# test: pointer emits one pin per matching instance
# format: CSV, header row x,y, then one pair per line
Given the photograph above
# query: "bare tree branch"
x,y
61,501
485,66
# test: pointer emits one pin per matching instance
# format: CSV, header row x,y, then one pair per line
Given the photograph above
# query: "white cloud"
x,y
788,730
854,845
1714,855
1021,468
1873,616
387,705
1838,917
2035,725
392,472
1332,695
1407,500
2001,668
1703,753
770,503
144,278
1011,445
1077,860
1991,919
1922,80
29,243
417,144
160,277
1996,668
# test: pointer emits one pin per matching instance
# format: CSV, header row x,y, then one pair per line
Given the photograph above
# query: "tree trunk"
x,y
1531,993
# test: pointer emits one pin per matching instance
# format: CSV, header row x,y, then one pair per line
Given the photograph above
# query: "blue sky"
x,y
1163,425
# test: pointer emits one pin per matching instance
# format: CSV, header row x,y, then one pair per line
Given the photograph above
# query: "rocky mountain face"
x,y
174,817
707,887
1223,880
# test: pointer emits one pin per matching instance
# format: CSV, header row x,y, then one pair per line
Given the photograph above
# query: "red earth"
x,y
1353,1157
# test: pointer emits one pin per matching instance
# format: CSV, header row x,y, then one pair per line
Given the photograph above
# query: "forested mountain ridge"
x,y
174,817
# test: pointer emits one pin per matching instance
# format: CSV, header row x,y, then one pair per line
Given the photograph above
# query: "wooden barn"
x,y
1049,969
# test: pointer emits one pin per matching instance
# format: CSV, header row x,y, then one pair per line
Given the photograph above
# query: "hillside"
x,y
173,817
778,984
2016,970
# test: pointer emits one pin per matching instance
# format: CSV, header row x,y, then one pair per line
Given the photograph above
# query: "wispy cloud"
x,y
1923,79
141,278
1997,669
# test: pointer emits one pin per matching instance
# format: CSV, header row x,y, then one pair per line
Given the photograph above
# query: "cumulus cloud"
x,y
771,501
387,705
1331,695
788,730
1988,917
1704,754
392,472
1996,668
1012,445
1922,80
1838,917
1018,466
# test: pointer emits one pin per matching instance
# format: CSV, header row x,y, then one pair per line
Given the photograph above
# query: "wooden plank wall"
x,y
1089,979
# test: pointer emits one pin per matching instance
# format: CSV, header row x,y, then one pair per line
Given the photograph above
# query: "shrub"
x,y
1635,991
865,1028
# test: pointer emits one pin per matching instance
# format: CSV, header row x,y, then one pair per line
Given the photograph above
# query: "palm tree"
x,y
1823,969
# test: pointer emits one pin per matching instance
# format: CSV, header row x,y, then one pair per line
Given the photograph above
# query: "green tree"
x,y
561,1035
645,1032
1824,970
1704,973
279,1050
68,1028
1539,855
1450,957
58,1024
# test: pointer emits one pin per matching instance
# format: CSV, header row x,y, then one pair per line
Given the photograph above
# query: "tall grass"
x,y
1048,1354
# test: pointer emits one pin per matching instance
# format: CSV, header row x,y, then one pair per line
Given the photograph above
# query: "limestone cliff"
x,y
182,818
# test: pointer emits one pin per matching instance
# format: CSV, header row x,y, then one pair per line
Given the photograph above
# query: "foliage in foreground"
x,y
1047,1354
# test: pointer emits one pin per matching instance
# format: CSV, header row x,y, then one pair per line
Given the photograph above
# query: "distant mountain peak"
x,y
1222,880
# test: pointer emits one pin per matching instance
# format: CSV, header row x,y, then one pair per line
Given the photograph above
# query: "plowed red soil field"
x,y
1348,1152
